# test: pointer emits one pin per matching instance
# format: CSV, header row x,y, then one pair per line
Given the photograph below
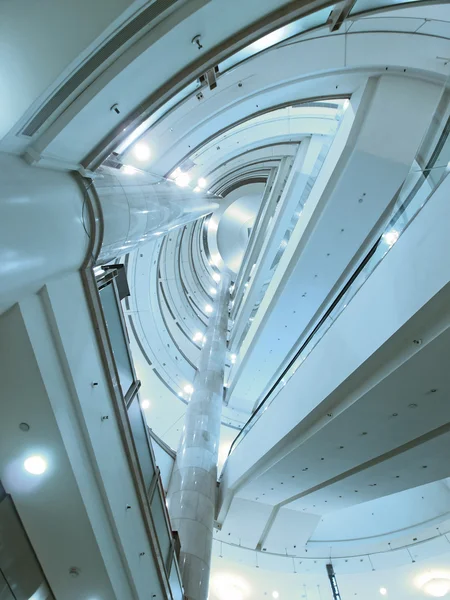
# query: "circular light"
x,y
227,586
275,594
208,309
35,465
202,183
438,588
390,237
183,179
145,404
216,277
383,591
233,358
213,291
141,151
197,189
198,337
188,388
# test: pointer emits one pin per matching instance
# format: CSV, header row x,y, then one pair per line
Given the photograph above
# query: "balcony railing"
x,y
415,192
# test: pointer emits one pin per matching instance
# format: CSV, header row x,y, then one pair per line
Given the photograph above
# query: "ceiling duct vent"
x,y
135,29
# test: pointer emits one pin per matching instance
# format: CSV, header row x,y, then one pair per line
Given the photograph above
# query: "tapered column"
x,y
46,227
192,490
137,206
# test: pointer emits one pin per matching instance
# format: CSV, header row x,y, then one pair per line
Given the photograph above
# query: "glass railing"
x,y
294,219
416,190
167,541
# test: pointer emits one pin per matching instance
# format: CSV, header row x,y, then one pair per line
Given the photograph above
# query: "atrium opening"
x,y
224,300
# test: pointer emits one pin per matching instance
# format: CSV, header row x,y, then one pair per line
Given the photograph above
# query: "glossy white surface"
x,y
192,490
43,229
138,207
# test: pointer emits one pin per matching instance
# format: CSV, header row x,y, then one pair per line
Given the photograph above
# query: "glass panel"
x,y
416,190
175,582
119,342
161,526
139,432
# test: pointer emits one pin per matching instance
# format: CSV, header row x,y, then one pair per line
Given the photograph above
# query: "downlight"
x,y
183,179
141,151
36,465
437,588
434,583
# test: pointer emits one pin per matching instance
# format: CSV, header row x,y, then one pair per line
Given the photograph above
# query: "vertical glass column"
x,y
192,490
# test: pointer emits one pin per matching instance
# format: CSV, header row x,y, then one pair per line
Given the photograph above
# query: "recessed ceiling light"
x,y
141,151
175,173
202,183
390,237
188,388
216,277
383,591
233,358
275,594
198,336
145,404
213,291
438,588
208,309
183,179
197,189
36,465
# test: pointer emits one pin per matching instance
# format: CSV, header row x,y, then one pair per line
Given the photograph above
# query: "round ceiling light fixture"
x,y
434,583
202,183
390,237
188,389
36,465
227,586
208,309
437,587
141,151
383,591
275,594
145,404
216,277
183,179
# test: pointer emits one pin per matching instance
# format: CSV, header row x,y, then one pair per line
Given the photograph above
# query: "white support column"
x,y
139,206
46,229
192,490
